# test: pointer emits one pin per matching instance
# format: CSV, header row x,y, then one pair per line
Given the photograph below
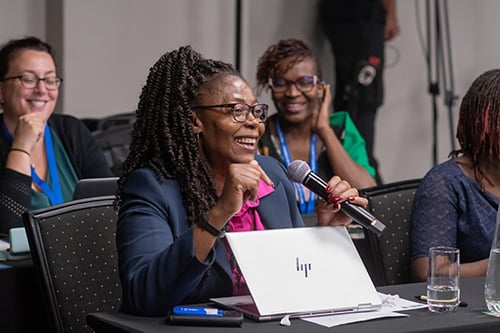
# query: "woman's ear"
x,y
321,91
196,123
1,93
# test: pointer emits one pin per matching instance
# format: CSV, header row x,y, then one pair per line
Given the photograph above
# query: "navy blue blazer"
x,y
158,267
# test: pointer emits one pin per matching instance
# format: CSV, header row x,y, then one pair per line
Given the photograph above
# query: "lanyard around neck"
x,y
305,207
54,194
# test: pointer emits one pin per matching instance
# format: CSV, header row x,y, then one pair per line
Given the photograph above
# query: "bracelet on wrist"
x,y
204,224
21,151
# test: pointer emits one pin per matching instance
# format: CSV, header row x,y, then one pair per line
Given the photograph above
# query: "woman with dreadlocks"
x,y
457,200
191,172
302,128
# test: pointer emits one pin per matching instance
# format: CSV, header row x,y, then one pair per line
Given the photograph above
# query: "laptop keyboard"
x,y
250,307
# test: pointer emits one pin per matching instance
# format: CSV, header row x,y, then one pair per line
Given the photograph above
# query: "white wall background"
x,y
108,46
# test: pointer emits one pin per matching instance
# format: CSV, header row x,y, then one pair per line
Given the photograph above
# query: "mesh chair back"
x,y
74,253
113,134
391,204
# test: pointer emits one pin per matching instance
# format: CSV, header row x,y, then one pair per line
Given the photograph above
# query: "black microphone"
x,y
300,172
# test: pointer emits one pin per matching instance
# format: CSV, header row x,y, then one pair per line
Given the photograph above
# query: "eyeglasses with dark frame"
x,y
30,81
240,111
303,83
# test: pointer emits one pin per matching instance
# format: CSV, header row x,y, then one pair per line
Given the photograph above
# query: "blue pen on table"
x,y
197,311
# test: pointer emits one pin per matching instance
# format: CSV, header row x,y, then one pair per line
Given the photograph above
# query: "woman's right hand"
x,y
242,182
29,131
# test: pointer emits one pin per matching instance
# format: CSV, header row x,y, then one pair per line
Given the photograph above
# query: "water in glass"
x,y
492,284
443,298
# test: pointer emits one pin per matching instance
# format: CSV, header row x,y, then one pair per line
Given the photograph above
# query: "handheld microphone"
x,y
300,172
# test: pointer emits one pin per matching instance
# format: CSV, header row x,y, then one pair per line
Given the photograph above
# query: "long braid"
x,y
163,138
268,65
478,129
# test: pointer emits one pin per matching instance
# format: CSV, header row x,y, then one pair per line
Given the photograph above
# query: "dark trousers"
x,y
358,50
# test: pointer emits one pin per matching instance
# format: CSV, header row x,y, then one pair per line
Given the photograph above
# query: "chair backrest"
x,y
114,142
95,187
75,257
391,204
113,134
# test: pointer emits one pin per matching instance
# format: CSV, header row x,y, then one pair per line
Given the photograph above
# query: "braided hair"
x,y
163,138
478,128
268,65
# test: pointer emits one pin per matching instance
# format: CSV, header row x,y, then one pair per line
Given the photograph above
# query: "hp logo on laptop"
x,y
303,267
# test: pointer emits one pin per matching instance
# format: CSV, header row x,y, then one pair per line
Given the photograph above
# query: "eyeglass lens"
x,y
31,81
240,112
304,83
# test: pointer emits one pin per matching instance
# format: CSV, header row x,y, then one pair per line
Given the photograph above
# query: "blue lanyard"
x,y
305,207
54,194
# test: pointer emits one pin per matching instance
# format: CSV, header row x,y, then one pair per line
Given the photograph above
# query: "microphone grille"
x,y
298,170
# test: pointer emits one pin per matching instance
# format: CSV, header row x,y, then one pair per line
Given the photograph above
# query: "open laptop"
x,y
300,272
95,187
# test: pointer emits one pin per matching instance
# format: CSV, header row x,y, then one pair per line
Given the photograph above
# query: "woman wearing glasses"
x,y
302,128
42,155
193,173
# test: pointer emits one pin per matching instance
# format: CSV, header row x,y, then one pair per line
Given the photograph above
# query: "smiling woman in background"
x,y
302,128
42,155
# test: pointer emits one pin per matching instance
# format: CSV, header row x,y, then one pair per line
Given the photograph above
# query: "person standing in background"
x,y
356,31
42,155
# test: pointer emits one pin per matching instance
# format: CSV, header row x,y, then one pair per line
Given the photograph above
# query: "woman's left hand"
x,y
321,120
329,212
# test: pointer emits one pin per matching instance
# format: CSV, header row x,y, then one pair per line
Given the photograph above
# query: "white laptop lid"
x,y
303,271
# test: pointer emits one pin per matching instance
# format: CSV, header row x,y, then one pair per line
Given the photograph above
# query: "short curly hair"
x,y
268,65
163,138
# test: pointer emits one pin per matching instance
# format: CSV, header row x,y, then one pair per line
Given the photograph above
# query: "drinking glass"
x,y
443,278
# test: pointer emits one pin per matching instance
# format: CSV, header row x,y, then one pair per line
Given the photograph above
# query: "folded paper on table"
x,y
390,305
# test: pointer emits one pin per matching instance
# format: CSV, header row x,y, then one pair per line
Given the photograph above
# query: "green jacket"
x,y
346,131
351,140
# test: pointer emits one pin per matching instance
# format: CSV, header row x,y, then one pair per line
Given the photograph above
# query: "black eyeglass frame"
x,y
57,79
282,89
249,108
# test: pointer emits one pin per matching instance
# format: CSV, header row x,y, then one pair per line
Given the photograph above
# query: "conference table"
x,y
466,319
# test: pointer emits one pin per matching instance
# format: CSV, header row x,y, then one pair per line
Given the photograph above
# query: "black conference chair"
x,y
113,134
75,257
387,256
95,187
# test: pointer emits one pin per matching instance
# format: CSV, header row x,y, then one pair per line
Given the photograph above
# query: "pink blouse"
x,y
246,219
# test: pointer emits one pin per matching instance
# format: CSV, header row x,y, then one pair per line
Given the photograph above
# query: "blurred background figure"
x,y
457,200
303,127
42,155
356,30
